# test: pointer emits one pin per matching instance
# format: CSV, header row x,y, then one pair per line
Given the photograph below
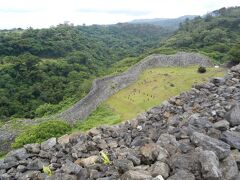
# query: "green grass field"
x,y
152,88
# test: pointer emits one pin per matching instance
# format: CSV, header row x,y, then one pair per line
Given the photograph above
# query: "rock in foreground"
x,y
194,136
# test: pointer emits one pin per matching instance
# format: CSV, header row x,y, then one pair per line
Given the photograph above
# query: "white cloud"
x,y
44,13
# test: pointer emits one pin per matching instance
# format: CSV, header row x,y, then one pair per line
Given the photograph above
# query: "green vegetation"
x,y
44,71
105,158
41,132
103,115
216,34
2,155
47,170
202,69
153,87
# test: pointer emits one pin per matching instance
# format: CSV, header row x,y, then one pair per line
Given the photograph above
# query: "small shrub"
x,y
105,158
47,170
201,69
41,132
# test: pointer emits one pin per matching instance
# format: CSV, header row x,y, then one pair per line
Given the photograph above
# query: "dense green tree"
x,y
43,70
217,34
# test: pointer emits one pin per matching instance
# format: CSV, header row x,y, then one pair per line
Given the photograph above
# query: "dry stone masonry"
x,y
193,136
107,86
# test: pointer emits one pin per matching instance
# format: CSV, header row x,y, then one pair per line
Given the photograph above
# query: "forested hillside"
x,y
43,70
172,23
217,33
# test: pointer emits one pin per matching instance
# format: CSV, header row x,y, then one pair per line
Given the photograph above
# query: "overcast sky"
x,y
44,13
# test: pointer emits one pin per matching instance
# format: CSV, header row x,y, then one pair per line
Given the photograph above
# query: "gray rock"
x,y
136,175
159,177
71,168
36,164
160,168
132,157
63,176
189,162
210,165
49,144
32,148
218,80
221,149
232,138
20,154
29,175
10,161
236,155
229,168
123,165
163,155
182,175
222,125
21,168
149,153
168,142
233,115
5,176
140,141
94,174
236,69
198,123
2,164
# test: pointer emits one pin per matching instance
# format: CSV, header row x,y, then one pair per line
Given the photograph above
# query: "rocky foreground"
x,y
192,136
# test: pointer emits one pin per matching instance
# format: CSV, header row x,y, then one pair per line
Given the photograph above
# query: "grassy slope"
x,y
153,87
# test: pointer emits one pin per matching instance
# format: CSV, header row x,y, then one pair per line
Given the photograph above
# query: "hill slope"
x,y
43,70
173,23
216,34
188,137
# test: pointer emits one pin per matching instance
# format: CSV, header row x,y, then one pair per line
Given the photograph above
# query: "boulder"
x,y
71,168
49,144
183,175
232,138
198,123
189,162
136,175
221,149
159,177
236,155
210,165
63,139
229,168
233,115
87,161
168,142
32,148
160,168
149,153
20,154
36,164
123,165
222,125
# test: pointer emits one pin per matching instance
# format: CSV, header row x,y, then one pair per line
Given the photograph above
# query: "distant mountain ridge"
x,y
164,22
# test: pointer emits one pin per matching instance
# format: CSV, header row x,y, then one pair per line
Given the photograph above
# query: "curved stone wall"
x,y
104,87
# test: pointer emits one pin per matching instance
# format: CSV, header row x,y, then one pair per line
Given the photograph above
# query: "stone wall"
x,y
102,89
107,86
193,136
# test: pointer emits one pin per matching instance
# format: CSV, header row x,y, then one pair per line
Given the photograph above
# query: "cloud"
x,y
19,10
115,11
44,13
